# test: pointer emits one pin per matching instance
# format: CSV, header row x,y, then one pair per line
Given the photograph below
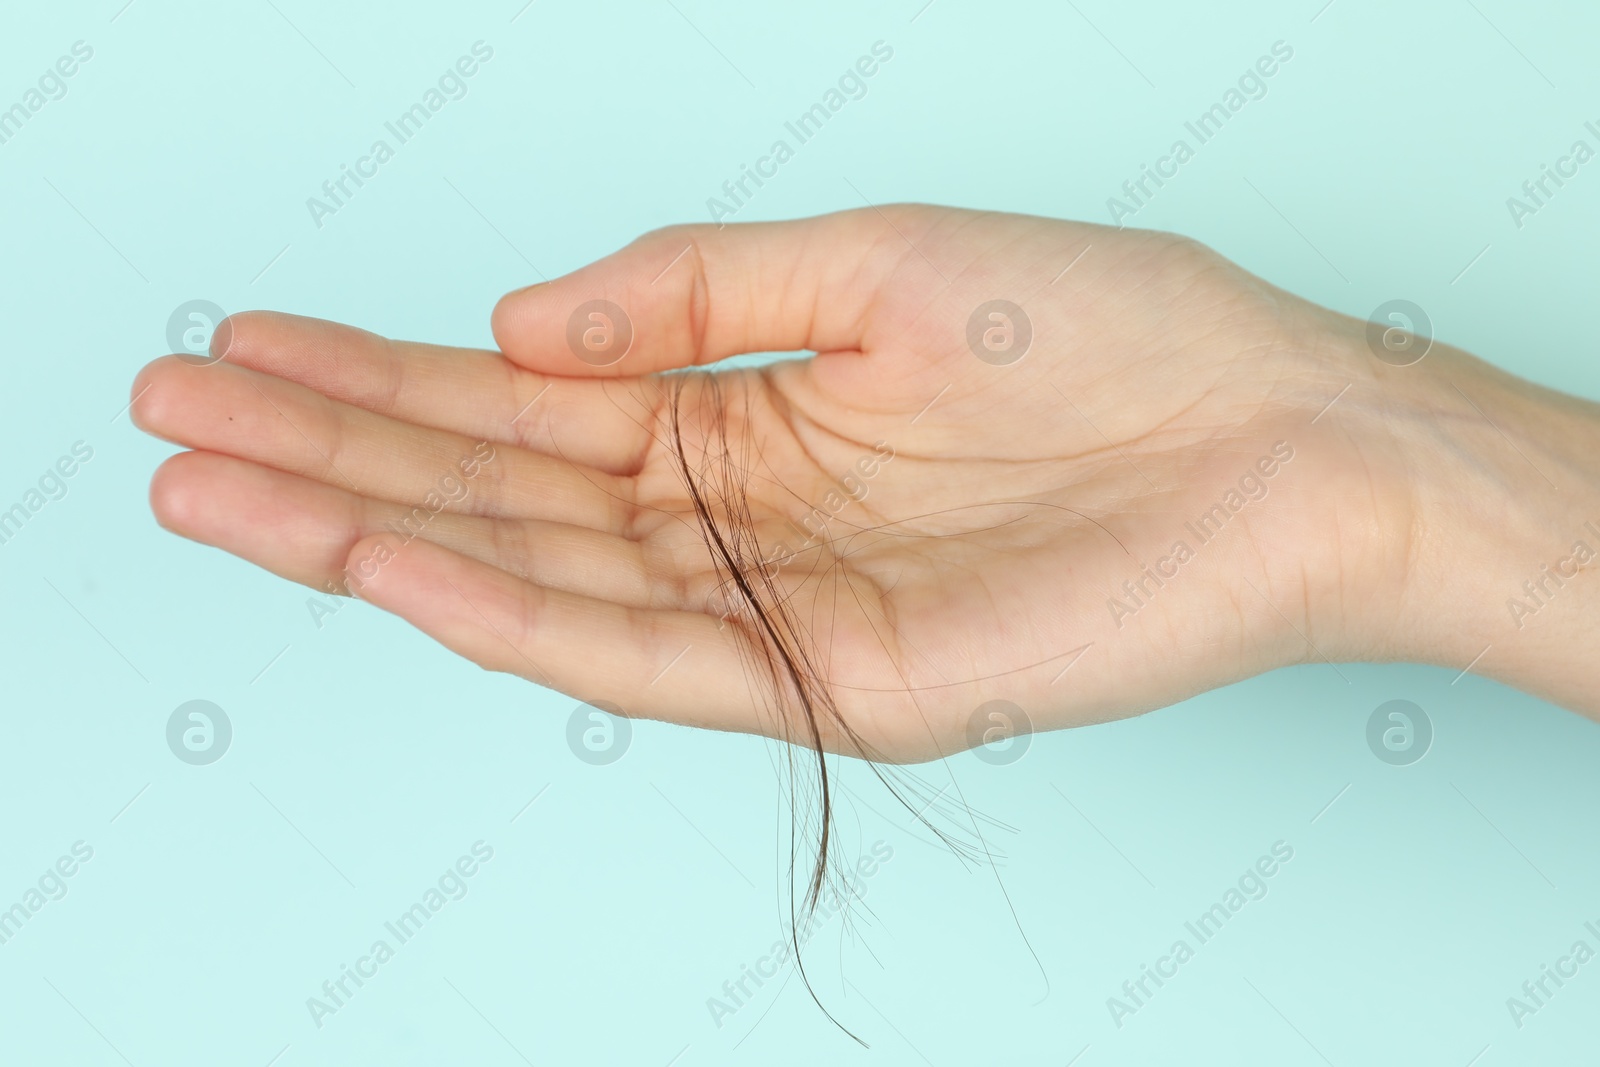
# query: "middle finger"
x,y
221,408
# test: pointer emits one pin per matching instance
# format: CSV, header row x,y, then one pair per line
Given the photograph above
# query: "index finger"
x,y
472,392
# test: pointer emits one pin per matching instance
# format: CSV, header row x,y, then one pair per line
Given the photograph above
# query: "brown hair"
x,y
779,649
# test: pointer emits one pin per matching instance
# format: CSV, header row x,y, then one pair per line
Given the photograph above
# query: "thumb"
x,y
690,295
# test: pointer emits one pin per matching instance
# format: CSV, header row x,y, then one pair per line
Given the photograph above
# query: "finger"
x,y
691,295
661,664
265,419
303,530
475,393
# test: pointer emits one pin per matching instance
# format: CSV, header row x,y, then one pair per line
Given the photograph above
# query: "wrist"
x,y
1500,534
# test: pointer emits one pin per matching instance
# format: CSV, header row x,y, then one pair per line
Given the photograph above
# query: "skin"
x,y
980,563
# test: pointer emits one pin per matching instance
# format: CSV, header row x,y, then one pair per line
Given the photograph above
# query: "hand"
x,y
943,524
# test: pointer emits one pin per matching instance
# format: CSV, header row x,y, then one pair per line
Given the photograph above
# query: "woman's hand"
x,y
1159,476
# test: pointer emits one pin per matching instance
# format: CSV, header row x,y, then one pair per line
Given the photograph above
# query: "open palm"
x,y
974,492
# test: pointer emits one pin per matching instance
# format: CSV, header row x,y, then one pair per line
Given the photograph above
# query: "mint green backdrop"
x,y
175,164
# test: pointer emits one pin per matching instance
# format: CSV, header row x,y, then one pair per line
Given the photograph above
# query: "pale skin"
x,y
984,558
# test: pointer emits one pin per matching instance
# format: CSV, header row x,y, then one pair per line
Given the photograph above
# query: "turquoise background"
x,y
366,759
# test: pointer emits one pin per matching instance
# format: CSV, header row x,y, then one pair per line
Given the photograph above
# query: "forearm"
x,y
1504,571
